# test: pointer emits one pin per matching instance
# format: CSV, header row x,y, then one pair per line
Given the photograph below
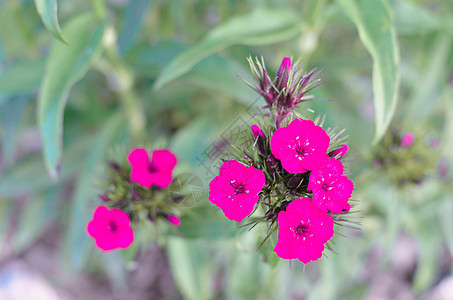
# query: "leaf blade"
x,y
65,66
47,10
374,22
259,27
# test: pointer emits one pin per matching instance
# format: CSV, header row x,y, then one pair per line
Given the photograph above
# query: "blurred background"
x,y
122,74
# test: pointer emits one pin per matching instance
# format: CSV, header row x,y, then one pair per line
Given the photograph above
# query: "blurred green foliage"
x,y
133,72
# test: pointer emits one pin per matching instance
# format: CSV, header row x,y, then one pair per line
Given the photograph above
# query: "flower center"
x,y
152,168
112,226
302,230
328,185
302,148
239,188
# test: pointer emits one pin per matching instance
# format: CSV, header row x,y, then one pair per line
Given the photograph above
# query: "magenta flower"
x,y
337,153
236,189
174,220
158,171
256,130
110,229
303,229
407,140
331,190
300,146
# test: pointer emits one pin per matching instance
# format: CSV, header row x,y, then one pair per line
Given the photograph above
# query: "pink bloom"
x,y
337,153
300,146
157,172
174,220
303,229
236,189
331,190
257,131
110,229
407,140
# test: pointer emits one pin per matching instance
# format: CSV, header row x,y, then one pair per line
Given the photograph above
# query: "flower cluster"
x,y
407,157
135,191
289,174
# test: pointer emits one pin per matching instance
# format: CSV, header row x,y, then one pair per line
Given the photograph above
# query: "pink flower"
x,y
337,153
110,229
157,172
331,190
303,229
174,220
407,139
236,189
257,131
300,146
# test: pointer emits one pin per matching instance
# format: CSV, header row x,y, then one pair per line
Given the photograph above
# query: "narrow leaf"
x,y
374,22
259,27
47,10
65,66
188,262
135,12
10,115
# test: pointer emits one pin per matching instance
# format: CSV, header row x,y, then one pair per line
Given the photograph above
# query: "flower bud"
x,y
272,163
337,153
281,78
174,220
260,138
294,182
407,140
115,166
104,197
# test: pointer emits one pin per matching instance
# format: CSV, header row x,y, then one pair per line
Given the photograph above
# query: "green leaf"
x,y
414,19
77,240
135,12
37,214
20,79
425,95
11,113
189,266
65,66
47,10
26,176
374,22
258,27
220,74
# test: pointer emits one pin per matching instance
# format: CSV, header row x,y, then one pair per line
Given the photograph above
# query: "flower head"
x,y
158,171
110,229
331,190
303,229
300,146
236,189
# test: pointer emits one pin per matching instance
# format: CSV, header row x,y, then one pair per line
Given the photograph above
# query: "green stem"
x,y
99,9
125,83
